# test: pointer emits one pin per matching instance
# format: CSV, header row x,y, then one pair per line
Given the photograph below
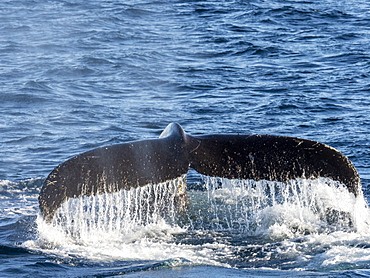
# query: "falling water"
x,y
124,211
290,209
201,226
298,207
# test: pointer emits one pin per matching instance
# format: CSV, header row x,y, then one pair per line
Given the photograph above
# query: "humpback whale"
x,y
129,165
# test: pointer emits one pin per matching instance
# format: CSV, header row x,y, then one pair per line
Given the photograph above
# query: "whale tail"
x,y
130,165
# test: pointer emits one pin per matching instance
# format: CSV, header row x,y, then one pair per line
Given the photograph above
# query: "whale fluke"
x,y
129,165
110,169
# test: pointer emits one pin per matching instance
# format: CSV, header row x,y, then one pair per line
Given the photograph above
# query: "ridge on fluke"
x,y
130,165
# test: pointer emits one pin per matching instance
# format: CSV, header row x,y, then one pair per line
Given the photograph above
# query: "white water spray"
x,y
123,212
151,222
279,209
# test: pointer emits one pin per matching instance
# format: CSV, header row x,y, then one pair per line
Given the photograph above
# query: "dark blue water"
x,y
75,75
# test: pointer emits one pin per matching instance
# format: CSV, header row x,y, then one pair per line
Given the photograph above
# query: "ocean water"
x,y
76,75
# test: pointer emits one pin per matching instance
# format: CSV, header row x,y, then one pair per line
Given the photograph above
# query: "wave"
x,y
11,251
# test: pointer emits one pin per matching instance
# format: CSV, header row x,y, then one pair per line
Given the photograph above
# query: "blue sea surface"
x,y
76,75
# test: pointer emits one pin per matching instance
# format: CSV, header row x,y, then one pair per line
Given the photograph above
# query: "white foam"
x,y
328,251
144,223
147,242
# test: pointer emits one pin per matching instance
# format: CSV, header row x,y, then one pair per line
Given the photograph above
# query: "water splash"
x,y
124,212
290,209
223,222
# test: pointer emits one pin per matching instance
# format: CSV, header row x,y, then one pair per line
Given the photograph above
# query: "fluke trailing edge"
x,y
258,157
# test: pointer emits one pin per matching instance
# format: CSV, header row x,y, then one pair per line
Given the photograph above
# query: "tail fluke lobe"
x,y
113,168
274,158
258,157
